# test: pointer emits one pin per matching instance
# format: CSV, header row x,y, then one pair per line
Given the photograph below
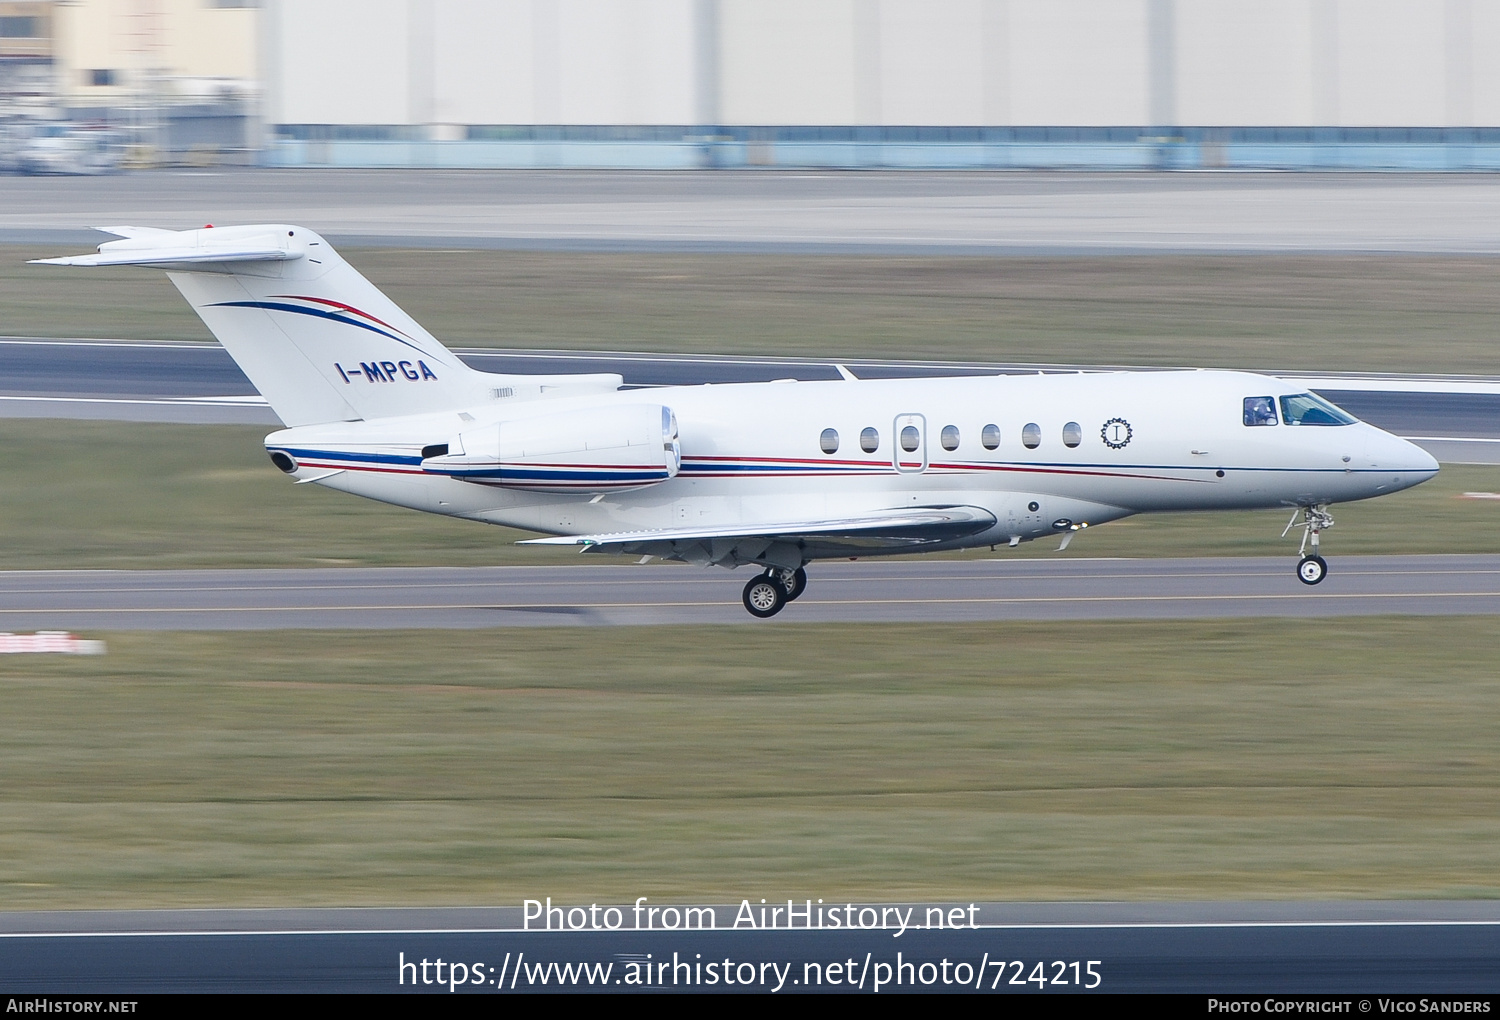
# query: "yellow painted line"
x,y
1315,596
813,579
434,607
351,587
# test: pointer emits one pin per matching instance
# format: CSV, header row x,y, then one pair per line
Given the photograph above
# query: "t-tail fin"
x,y
316,338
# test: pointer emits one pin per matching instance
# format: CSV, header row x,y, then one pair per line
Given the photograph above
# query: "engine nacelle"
x,y
604,449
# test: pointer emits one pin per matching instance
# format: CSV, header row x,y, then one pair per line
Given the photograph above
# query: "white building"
x,y
826,82
886,82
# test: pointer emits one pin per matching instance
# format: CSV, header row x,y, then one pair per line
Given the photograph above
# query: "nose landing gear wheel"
x,y
1311,569
764,596
794,581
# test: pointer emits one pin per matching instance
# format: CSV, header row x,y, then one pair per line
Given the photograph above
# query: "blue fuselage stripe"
x,y
700,468
365,458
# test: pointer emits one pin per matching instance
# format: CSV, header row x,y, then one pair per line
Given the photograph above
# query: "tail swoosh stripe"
x,y
321,313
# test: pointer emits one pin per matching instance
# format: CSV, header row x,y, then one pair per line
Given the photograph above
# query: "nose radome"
x,y
1392,453
1425,462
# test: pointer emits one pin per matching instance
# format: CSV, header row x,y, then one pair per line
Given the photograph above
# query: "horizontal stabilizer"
x,y
149,246
170,256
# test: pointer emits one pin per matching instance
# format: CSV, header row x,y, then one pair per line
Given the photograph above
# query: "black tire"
x,y
794,581
1312,569
764,596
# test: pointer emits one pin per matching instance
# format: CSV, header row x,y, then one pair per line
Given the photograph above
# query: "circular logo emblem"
x,y
1116,433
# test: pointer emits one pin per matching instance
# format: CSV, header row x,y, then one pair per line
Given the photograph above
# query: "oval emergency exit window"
x,y
910,438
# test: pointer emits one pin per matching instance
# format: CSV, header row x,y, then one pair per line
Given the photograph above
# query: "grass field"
x,y
118,495
1212,760
1317,312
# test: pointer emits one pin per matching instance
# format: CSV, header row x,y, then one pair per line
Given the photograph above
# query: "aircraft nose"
x,y
1422,462
1407,462
1407,457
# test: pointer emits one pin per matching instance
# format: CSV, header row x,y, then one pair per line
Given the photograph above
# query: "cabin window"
x,y
949,437
869,440
1310,409
1031,436
1260,410
910,438
989,437
1072,434
829,441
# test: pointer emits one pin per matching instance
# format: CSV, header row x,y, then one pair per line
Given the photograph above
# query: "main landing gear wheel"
x,y
764,596
1311,569
793,581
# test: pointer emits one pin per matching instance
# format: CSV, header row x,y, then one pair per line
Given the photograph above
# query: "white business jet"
x,y
773,474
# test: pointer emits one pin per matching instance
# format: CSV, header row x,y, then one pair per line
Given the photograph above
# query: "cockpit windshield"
x,y
1310,409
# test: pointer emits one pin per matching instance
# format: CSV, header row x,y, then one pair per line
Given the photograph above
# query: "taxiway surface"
x,y
909,212
930,591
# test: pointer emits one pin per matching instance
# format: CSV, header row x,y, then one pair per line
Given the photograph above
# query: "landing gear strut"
x,y
767,593
1311,568
794,581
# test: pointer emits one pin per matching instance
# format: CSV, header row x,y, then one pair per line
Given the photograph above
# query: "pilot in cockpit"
x,y
1260,411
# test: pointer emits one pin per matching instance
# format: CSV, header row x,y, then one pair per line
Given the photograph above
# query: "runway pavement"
x,y
1356,949
873,212
614,594
1456,418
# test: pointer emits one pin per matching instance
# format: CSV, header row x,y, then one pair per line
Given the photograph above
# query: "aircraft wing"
x,y
899,528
